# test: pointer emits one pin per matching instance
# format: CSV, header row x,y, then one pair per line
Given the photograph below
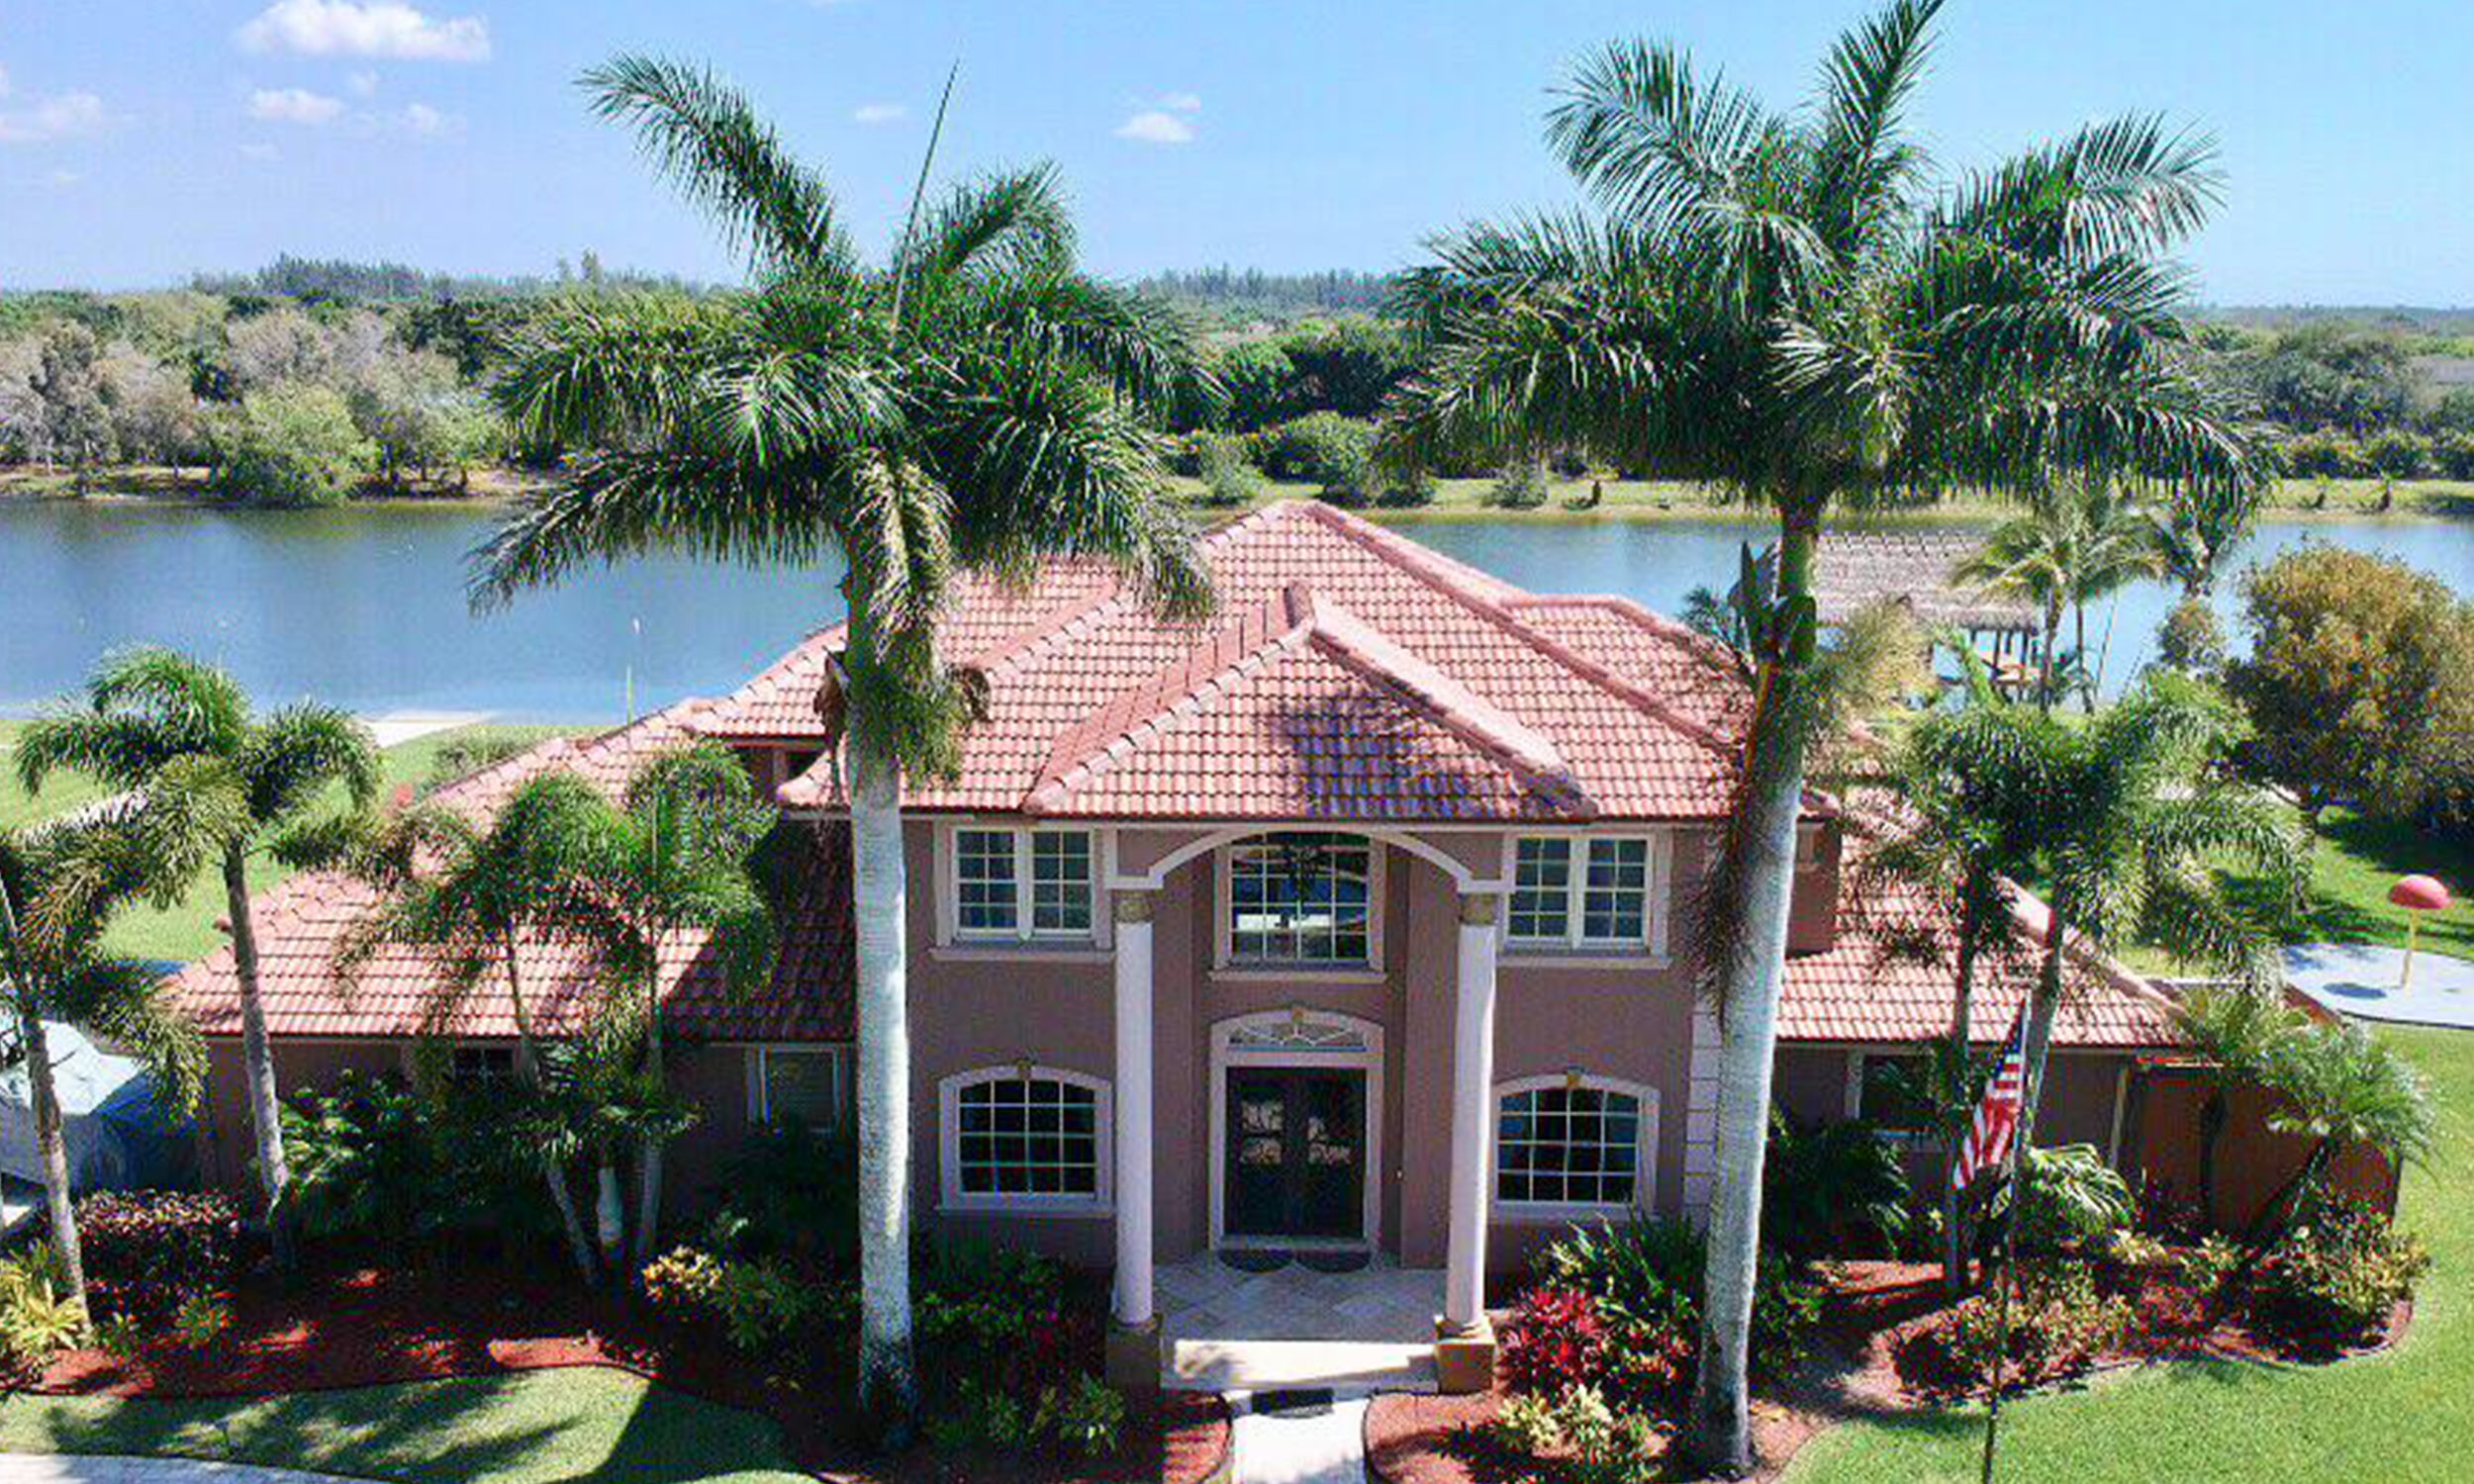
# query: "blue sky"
x,y
140,140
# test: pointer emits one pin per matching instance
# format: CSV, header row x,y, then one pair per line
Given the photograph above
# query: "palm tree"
x,y
1780,303
60,884
1960,846
975,403
2244,1038
2345,1090
2128,818
162,726
2079,542
468,896
2197,524
674,859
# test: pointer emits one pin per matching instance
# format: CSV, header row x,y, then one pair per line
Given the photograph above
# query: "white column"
x,y
1472,1124
1131,1154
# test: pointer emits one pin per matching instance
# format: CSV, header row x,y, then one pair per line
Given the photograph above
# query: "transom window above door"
x,y
1303,899
1021,885
1592,893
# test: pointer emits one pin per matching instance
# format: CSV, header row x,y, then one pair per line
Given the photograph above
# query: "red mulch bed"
x,y
1441,1439
352,1326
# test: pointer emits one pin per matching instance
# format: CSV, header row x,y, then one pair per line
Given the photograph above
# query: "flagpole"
x,y
2018,1179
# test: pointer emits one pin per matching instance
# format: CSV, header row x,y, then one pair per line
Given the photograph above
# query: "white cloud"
x,y
294,105
363,84
874,114
421,119
1182,103
58,117
1156,126
379,27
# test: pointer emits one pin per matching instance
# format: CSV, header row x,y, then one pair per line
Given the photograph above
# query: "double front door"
x,y
1296,1152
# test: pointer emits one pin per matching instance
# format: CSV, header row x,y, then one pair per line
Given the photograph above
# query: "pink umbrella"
x,y
2417,895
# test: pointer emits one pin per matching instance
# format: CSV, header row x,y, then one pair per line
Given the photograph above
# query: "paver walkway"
x,y
1296,1438
1230,1330
104,1468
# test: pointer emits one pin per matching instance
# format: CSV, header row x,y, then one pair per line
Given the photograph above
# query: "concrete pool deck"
x,y
2360,980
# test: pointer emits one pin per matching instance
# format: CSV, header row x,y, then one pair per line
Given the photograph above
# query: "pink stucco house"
x,y
1359,914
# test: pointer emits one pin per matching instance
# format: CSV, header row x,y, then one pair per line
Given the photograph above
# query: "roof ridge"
x,y
1711,653
1415,560
1276,622
1371,652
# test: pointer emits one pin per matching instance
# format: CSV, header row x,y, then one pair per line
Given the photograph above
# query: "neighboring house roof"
x,y
1349,674
301,922
1889,978
1853,570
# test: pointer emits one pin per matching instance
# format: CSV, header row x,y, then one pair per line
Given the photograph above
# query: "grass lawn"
x,y
2406,1415
187,930
573,1427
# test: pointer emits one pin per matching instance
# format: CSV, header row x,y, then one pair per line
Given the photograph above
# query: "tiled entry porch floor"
x,y
1226,1330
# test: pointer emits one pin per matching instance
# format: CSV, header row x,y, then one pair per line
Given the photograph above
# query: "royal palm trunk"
x,y
1954,1215
885,1379
258,1062
1754,975
649,1149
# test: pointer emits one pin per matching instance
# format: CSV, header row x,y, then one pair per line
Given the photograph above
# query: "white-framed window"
x,y
801,1084
1807,847
1300,900
1008,884
1591,894
1024,1137
1574,1143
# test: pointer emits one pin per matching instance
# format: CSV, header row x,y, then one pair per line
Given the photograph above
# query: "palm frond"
x,y
1861,165
703,136
299,751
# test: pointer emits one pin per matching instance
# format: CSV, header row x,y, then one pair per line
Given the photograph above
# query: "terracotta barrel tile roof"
x,y
302,921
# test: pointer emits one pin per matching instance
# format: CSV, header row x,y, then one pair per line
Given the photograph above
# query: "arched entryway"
x,y
1297,1104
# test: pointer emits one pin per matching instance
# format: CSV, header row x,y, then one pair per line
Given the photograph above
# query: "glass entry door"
x,y
1296,1152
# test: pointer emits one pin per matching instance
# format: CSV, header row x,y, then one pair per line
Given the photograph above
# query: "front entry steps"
x,y
1361,1332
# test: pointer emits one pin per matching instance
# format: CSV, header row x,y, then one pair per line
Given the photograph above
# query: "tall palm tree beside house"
x,y
976,403
2244,1038
2079,541
2130,819
469,896
162,725
60,884
1782,305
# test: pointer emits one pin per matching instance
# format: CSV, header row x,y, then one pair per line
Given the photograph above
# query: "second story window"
x,y
1021,883
1301,898
1581,892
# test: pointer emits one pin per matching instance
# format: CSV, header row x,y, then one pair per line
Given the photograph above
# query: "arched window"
x,y
1573,1144
1024,1137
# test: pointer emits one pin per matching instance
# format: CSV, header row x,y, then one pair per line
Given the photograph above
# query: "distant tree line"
x,y
2348,400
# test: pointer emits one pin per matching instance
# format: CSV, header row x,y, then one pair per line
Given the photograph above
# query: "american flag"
x,y
1997,1112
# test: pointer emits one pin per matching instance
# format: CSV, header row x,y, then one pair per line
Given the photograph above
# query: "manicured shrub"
x,y
1321,449
373,1160
145,1250
2059,1324
1581,1436
1832,1189
2076,1202
1643,1275
1085,1414
1554,1340
791,1193
35,1321
2336,1279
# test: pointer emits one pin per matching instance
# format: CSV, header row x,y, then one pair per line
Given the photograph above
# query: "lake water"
x,y
365,608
